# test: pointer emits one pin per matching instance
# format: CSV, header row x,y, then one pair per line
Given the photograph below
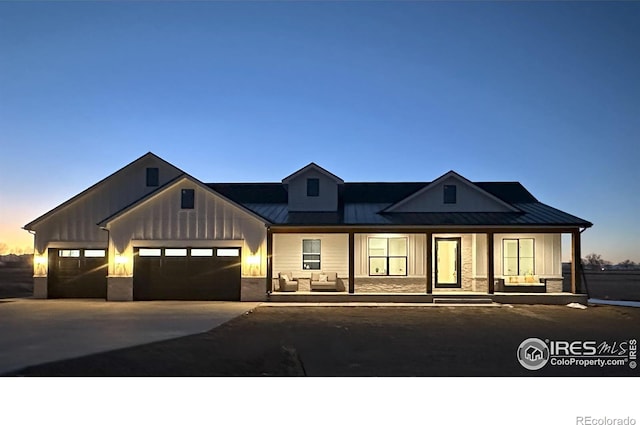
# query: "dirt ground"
x,y
614,285
367,341
16,282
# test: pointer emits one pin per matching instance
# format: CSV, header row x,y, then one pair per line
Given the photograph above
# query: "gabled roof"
x,y
167,186
30,225
315,167
362,203
446,175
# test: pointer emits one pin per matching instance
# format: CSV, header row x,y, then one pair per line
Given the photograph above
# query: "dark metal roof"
x,y
510,192
362,203
263,193
379,192
267,193
533,214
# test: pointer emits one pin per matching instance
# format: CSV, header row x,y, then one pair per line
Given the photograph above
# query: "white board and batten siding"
x,y
214,221
547,252
76,222
416,253
287,253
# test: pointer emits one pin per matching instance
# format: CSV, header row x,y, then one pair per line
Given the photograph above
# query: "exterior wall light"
x,y
253,261
40,263
121,262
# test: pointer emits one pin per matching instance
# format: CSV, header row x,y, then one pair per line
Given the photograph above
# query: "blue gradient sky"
x,y
547,94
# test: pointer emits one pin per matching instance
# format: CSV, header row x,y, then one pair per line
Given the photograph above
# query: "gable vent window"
x,y
449,194
188,198
153,177
313,187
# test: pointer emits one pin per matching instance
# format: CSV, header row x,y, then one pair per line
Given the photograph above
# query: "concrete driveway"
x,y
39,331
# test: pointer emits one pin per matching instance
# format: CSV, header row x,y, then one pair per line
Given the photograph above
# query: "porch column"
x,y
269,261
352,272
429,262
490,264
575,261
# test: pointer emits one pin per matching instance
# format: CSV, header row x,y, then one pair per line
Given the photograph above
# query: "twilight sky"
x,y
547,94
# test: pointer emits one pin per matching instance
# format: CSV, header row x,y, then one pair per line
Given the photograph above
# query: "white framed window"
x,y
74,253
388,256
311,254
518,257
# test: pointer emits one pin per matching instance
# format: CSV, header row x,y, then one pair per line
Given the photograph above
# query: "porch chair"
x,y
286,282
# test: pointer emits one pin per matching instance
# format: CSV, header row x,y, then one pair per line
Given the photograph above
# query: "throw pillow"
x,y
323,278
285,277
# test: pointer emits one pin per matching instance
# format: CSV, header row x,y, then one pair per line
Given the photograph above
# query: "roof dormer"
x,y
312,188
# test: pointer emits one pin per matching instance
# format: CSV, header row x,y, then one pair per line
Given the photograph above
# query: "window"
x,y
313,187
175,252
149,252
387,256
188,198
94,253
228,252
153,177
449,194
518,257
201,252
69,253
311,254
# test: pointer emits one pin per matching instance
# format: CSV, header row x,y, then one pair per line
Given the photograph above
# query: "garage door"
x,y
207,274
77,273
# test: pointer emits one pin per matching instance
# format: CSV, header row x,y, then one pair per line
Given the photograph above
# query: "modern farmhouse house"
x,y
153,232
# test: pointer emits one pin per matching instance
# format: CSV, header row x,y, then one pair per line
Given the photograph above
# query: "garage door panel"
x,y
176,277
73,275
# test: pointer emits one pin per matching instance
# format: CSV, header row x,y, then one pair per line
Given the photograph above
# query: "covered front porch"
x,y
420,265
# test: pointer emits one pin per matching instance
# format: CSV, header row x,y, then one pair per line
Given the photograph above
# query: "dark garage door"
x,y
77,273
205,274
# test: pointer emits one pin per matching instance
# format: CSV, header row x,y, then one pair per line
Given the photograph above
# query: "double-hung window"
x,y
387,256
518,257
311,254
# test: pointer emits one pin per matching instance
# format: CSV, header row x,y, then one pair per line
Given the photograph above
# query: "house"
x,y
150,231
